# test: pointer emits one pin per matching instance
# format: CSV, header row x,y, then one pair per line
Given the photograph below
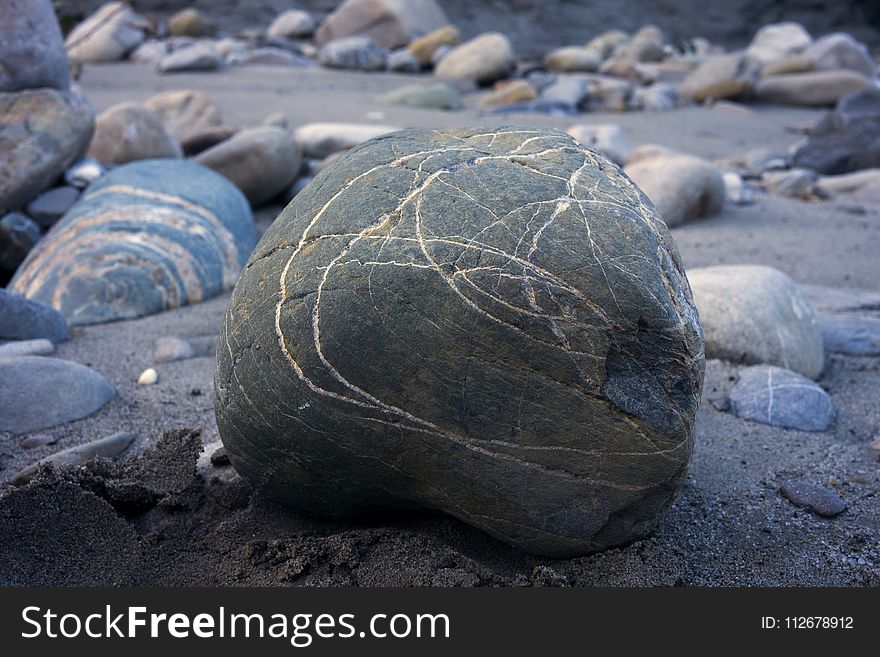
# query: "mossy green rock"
x,y
489,322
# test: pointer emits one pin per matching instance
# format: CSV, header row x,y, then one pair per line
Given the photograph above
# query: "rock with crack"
x,y
494,323
781,398
146,237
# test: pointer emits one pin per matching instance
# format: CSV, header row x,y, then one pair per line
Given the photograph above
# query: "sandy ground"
x,y
730,526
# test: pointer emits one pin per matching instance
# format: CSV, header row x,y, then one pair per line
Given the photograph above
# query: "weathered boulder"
x,y
840,51
261,161
190,22
757,315
846,139
425,46
38,392
726,76
813,89
781,398
146,237
390,23
492,322
43,131
108,35
682,187
128,131
32,52
483,59
318,140
23,319
291,24
185,112
356,53
777,41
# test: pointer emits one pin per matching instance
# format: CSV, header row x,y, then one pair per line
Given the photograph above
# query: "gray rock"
x,y
846,139
568,91
168,348
38,392
753,314
355,53
849,319
261,162
201,56
111,447
607,138
439,53
50,130
298,185
429,96
270,57
108,35
37,440
128,131
32,52
150,52
38,347
840,51
818,499
84,173
23,319
403,61
658,97
318,140
781,398
449,318
146,237
18,235
646,45
292,24
50,206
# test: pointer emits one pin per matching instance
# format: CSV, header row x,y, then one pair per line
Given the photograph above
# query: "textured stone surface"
x,y
390,23
781,398
107,35
38,392
261,161
490,322
358,53
31,49
146,237
753,314
683,187
847,138
42,133
483,59
818,499
23,319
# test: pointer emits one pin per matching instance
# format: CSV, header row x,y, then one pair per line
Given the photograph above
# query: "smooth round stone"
x,y
818,499
146,237
38,392
51,205
483,59
37,347
129,131
781,398
23,319
31,48
494,323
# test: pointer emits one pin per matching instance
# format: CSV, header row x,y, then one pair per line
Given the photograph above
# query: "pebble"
x,y
167,349
818,499
292,24
781,398
403,61
148,377
483,59
108,35
37,440
197,57
128,131
84,172
111,447
50,206
38,347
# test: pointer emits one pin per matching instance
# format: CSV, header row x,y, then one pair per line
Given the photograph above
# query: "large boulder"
x,y
32,52
38,392
846,139
840,51
492,322
261,161
146,237
390,23
725,76
42,132
777,41
108,35
812,89
185,112
128,131
756,315
483,59
682,187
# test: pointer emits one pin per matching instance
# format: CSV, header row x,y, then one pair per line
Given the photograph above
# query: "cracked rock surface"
x,y
491,323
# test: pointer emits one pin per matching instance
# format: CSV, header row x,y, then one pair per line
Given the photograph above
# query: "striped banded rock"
x,y
148,236
490,322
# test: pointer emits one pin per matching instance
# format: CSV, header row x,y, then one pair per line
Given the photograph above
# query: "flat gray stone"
x,y
38,392
818,499
23,319
781,398
38,347
50,206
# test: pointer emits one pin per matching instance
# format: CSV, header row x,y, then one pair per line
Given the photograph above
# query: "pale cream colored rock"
x,y
483,59
148,377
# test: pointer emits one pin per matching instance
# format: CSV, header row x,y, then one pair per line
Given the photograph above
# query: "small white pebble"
x,y
148,377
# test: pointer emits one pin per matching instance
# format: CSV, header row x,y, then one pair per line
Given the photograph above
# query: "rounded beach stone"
x,y
781,398
490,322
32,52
146,237
129,131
